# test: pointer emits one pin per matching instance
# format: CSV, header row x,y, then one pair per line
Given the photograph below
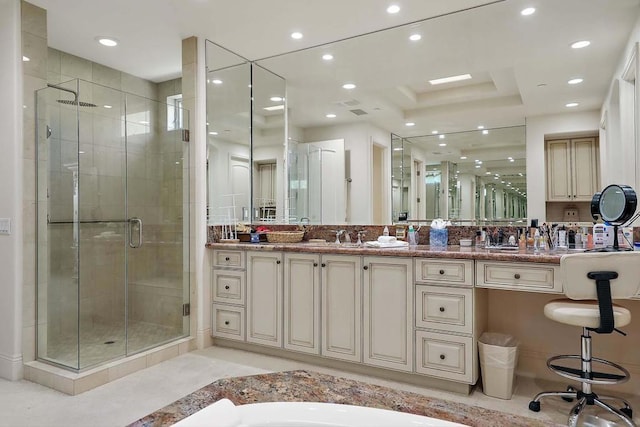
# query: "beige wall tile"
x,y
161,355
129,366
91,381
79,68
189,50
34,19
106,76
34,48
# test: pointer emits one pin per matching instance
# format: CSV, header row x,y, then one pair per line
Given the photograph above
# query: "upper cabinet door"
x,y
559,171
572,169
585,168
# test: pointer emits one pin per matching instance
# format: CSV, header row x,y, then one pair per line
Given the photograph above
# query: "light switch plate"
x,y
5,225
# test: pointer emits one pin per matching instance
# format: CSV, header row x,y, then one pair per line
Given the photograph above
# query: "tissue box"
x,y
438,237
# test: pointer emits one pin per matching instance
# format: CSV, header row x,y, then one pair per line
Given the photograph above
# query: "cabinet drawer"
x,y
459,272
228,286
445,308
524,277
444,356
227,322
222,258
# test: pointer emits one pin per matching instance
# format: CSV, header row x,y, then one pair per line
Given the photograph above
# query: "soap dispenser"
x,y
385,232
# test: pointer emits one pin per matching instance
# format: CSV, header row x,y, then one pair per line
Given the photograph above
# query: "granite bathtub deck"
x,y
306,386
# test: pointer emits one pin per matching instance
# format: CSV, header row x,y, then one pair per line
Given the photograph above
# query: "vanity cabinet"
x,y
342,307
302,302
228,294
388,312
446,330
264,298
572,169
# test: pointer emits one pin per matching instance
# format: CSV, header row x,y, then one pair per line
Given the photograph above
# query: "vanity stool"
x,y
590,281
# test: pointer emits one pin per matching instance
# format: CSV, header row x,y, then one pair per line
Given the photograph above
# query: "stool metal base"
x,y
585,375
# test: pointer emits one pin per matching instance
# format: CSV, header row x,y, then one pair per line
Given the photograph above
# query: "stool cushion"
x,y
583,313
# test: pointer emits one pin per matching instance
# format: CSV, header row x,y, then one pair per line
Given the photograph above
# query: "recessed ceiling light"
x,y
276,99
479,162
274,108
143,122
580,44
571,104
450,79
216,81
296,35
442,144
509,158
25,58
398,149
575,81
528,11
415,37
331,116
107,41
485,132
477,166
394,8
463,157
213,133
107,106
480,127
349,86
512,160
327,57
441,136
487,173
409,124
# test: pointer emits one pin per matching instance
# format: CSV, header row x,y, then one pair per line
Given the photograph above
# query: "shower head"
x,y
75,102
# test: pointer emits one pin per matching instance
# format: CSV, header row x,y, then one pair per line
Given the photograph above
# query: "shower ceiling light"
x,y
107,106
107,41
327,57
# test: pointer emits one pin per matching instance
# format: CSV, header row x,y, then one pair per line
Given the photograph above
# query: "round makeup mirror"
x,y
617,204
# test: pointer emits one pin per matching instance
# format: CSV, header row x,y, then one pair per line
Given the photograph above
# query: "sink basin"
x,y
502,248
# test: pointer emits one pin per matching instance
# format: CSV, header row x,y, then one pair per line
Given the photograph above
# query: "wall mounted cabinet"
x,y
572,169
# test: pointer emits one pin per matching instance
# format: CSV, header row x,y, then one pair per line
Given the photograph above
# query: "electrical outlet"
x,y
571,215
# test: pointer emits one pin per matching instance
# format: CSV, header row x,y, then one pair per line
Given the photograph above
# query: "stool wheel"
x,y
569,399
534,406
628,412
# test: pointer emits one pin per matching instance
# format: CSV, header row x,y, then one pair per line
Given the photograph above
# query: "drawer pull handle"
x,y
315,264
226,258
226,322
324,265
441,271
278,262
441,309
517,275
226,287
442,357
366,267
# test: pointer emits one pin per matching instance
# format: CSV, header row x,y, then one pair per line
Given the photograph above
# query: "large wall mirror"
x,y
246,136
474,176
346,101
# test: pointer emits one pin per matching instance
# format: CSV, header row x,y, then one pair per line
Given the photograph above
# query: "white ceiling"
x,y
509,55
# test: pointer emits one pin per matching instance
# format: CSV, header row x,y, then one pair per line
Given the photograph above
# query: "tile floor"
x,y
123,401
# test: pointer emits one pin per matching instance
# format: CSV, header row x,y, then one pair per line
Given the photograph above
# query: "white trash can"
x,y
498,359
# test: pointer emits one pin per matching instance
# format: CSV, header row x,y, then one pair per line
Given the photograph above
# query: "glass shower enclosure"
x,y
112,224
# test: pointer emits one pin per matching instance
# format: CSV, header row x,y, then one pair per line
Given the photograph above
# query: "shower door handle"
x,y
132,223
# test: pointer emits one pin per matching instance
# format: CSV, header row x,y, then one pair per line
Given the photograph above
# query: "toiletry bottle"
x,y
522,242
412,236
385,232
536,241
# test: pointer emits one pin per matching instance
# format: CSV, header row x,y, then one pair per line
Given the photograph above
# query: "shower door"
x,y
112,240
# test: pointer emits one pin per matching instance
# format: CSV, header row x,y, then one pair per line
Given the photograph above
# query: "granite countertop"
x,y
420,251
305,386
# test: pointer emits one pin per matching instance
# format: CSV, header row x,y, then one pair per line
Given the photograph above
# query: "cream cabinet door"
x,y
388,312
302,302
585,169
559,170
342,307
264,298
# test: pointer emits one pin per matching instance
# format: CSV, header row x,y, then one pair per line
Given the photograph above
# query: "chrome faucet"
x,y
338,234
361,233
304,220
